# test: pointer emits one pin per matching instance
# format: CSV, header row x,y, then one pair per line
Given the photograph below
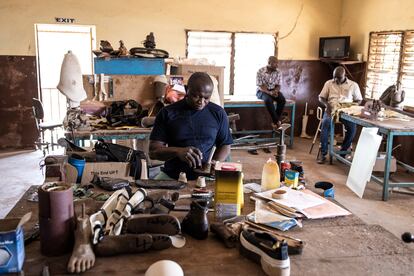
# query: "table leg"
x,y
77,141
331,141
385,191
292,122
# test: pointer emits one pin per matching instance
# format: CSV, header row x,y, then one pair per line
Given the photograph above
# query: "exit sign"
x,y
64,20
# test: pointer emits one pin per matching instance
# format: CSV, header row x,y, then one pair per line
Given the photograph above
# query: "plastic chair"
x,y
42,126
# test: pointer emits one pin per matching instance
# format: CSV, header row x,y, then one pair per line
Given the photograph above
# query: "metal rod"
x,y
405,166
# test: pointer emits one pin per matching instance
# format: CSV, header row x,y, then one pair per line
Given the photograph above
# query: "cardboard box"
x,y
380,163
12,244
291,178
106,169
216,71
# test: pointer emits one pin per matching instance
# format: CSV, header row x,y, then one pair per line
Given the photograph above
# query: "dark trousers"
x,y
326,126
280,100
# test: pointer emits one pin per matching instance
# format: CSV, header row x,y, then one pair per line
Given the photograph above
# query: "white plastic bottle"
x,y
270,176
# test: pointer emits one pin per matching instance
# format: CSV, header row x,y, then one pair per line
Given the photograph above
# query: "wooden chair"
x,y
42,127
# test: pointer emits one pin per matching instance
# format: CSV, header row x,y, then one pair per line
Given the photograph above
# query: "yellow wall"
x,y
360,17
131,20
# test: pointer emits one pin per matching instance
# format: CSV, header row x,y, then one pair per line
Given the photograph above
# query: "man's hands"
x,y
191,155
273,93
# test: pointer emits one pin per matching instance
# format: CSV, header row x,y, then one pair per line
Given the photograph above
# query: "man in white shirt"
x,y
335,92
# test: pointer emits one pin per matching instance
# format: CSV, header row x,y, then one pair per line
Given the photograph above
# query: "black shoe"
x,y
266,250
196,223
321,159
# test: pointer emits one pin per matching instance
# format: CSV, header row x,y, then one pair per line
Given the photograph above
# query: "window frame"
x,y
233,49
402,54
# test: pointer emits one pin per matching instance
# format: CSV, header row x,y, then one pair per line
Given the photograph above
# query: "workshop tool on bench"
x,y
160,184
206,168
281,147
371,109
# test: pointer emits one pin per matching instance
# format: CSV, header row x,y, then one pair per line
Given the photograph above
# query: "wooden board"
x,y
135,87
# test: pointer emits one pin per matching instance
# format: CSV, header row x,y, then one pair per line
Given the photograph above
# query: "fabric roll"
x,y
56,218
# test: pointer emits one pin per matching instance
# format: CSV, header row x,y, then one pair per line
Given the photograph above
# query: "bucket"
x,y
79,163
327,187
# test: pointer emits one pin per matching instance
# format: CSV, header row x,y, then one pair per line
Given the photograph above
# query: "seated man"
x,y
268,90
185,132
335,92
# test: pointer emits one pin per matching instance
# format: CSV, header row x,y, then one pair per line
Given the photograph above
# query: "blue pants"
x,y
326,126
280,100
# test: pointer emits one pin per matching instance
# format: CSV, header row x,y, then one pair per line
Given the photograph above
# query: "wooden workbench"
x,y
340,246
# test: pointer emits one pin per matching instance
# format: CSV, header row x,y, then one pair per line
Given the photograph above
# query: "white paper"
x,y
294,199
263,215
249,187
364,160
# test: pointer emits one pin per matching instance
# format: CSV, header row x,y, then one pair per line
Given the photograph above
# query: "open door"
x,y
53,41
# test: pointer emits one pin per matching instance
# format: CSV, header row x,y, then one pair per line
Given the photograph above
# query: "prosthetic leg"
x,y
99,219
115,224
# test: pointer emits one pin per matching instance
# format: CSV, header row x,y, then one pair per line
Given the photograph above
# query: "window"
x,y
383,62
407,68
391,61
242,54
213,46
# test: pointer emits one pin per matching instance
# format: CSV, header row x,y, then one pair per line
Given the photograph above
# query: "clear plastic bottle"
x,y
270,176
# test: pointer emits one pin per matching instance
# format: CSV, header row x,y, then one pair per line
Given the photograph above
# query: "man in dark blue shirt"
x,y
185,132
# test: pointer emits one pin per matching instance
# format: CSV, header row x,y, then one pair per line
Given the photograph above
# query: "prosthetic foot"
x,y
82,257
206,168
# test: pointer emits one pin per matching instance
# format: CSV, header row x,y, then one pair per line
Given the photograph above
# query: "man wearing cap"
x,y
335,92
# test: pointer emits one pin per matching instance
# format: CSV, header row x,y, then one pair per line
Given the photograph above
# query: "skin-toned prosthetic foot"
x,y
82,257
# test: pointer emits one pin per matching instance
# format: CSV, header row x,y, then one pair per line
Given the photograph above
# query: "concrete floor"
x,y
20,170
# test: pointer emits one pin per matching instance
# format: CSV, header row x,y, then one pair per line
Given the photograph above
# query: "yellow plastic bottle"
x,y
270,176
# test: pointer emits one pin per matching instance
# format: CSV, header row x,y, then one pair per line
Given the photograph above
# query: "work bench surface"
x,y
337,246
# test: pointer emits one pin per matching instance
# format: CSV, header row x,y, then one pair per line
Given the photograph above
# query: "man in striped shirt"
x,y
268,81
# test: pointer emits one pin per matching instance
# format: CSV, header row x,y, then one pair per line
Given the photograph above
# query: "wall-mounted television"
x,y
334,47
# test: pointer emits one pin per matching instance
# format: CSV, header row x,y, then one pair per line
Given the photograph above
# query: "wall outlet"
x,y
311,111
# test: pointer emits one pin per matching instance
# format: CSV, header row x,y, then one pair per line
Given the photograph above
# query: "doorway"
x,y
53,41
